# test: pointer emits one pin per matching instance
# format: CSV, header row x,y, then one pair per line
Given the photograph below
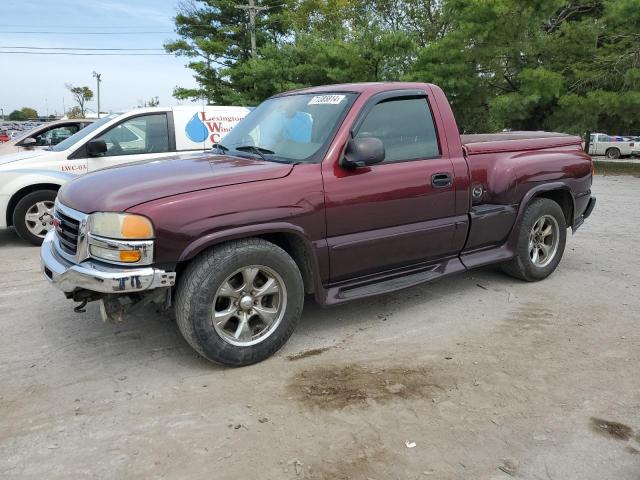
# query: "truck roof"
x,y
372,87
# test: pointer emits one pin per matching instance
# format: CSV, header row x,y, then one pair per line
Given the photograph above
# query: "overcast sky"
x,y
38,81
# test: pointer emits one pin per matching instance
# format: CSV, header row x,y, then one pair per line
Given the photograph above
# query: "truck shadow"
x,y
151,338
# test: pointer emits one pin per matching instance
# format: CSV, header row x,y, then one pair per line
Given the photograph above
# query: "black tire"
x,y
522,266
21,209
197,289
613,153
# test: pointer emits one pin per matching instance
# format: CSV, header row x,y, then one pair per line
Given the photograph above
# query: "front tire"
x,y
238,303
33,215
542,235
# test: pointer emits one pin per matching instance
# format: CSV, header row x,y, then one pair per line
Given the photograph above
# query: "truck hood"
x,y
119,188
19,154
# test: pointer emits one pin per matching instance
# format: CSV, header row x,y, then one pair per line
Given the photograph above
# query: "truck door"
x,y
399,212
600,144
143,137
592,144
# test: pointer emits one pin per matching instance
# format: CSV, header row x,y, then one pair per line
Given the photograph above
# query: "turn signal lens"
x,y
135,226
129,255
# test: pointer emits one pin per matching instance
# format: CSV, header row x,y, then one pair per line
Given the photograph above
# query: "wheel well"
x,y
290,243
16,197
296,247
562,198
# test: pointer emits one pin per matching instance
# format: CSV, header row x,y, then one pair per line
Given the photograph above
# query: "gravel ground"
x,y
490,377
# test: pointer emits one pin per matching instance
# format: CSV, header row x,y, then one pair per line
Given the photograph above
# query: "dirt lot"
x,y
491,378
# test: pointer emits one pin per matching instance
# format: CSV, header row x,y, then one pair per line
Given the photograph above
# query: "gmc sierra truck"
x,y
338,192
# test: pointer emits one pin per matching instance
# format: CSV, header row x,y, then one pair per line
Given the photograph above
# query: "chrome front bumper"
x,y
96,277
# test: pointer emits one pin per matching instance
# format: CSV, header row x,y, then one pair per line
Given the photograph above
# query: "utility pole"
x,y
253,9
98,77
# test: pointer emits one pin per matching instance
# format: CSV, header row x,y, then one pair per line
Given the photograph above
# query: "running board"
x,y
391,281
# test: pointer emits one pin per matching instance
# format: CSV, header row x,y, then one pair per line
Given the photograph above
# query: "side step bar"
x,y
391,282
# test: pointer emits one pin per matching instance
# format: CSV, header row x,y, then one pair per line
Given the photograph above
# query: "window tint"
x,y
56,135
405,127
144,134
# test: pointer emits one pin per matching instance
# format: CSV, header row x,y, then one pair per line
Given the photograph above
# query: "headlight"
x,y
122,238
120,226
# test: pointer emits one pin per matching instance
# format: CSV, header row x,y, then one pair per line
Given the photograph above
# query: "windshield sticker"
x,y
326,100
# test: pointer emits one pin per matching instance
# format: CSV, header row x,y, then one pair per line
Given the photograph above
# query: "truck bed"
x,y
516,141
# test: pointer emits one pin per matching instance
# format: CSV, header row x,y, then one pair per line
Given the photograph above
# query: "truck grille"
x,y
68,233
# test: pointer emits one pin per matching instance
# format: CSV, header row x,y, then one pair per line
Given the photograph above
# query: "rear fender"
x,y
532,194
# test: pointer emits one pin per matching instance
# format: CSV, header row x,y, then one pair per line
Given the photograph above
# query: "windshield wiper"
x,y
259,150
219,147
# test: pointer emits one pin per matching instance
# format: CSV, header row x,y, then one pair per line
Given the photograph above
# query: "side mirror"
x,y
28,142
362,152
95,148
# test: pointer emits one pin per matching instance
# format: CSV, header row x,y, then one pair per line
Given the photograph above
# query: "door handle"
x,y
441,180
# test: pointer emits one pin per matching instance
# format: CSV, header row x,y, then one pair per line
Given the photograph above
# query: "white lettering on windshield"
x,y
326,100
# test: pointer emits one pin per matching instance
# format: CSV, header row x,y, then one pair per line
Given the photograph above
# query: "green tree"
x,y
538,64
152,102
17,115
81,96
29,112
213,36
569,65
75,112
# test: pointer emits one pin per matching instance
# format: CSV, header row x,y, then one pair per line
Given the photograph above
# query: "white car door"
x,y
601,144
143,137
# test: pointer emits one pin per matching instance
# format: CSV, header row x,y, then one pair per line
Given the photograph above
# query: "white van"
x,y
30,179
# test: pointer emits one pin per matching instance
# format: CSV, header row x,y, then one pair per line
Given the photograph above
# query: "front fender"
x,y
317,251
202,243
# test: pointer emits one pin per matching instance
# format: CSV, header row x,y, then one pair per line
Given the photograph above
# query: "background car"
x,y
43,135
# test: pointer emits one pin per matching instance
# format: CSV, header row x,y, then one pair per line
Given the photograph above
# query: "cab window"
x,y
138,135
405,127
55,135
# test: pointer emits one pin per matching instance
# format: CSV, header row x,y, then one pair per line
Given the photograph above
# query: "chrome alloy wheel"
x,y
249,305
543,241
39,218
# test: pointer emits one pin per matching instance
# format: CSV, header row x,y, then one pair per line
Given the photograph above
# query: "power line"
x,y
87,33
86,54
17,25
81,48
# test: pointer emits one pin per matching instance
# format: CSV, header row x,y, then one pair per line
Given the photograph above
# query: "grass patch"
x,y
617,168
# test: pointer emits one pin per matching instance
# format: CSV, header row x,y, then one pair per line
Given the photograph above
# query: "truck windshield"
x,y
293,128
79,135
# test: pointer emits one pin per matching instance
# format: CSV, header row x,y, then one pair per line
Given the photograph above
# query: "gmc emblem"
x,y
57,224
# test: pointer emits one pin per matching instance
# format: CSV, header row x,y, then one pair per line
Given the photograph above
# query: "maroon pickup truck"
x,y
339,192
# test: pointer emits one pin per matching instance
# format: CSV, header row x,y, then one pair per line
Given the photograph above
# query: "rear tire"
x,y
542,235
238,303
33,215
612,153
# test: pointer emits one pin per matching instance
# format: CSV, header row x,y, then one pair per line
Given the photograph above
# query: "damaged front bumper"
x,y
587,212
97,277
